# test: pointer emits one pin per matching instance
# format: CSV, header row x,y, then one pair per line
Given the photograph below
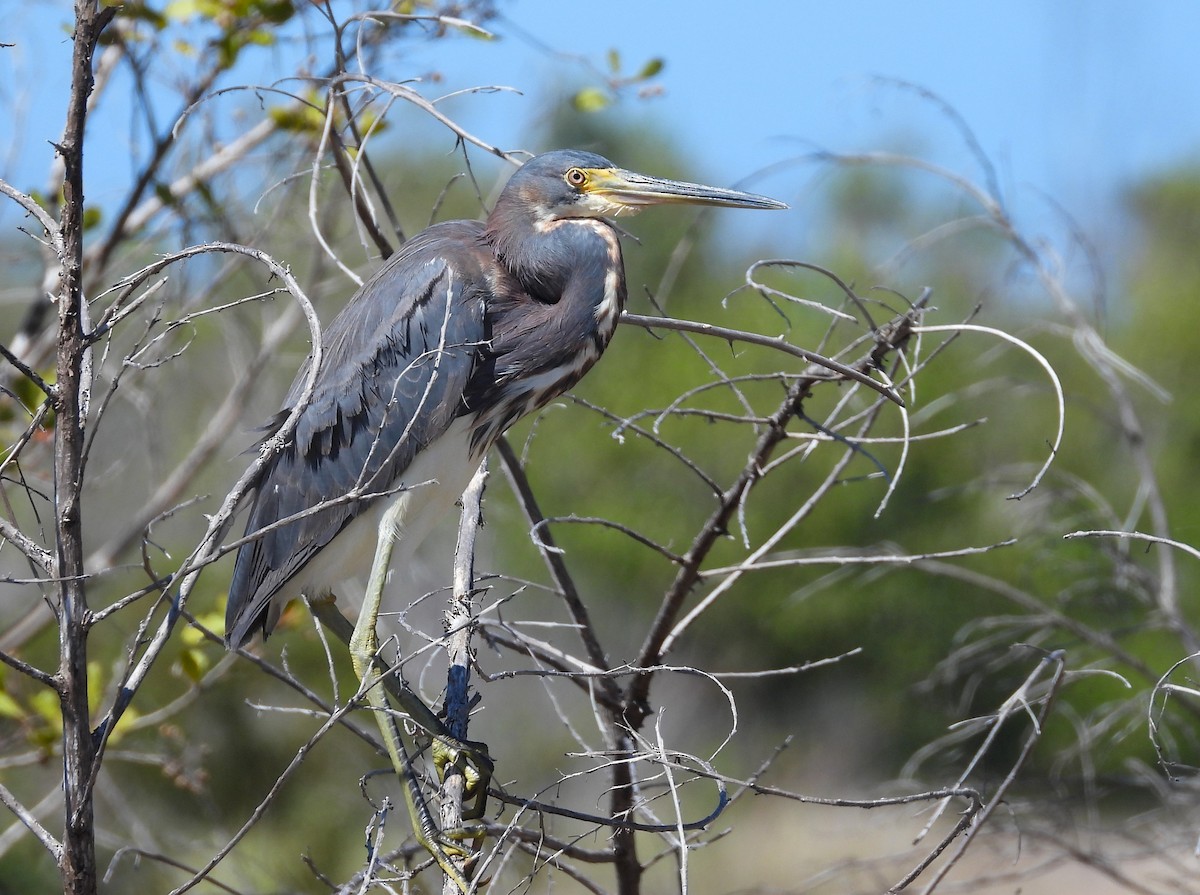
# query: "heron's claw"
x,y
449,841
444,846
471,759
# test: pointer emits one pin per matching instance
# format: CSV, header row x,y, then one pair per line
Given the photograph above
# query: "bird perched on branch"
x,y
465,329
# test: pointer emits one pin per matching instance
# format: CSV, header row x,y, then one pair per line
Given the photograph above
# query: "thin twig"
x,y
778,343
43,836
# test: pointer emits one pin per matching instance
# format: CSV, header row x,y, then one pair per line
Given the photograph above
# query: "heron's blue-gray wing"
x,y
397,361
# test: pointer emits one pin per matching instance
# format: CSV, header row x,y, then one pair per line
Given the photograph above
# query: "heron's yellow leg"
x,y
470,757
364,647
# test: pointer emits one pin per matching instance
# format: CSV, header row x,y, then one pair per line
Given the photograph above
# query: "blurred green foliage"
x,y
953,491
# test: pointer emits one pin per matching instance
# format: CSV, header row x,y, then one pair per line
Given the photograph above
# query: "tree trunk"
x,y
78,860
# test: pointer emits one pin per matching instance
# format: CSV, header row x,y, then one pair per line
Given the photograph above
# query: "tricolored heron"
x,y
467,328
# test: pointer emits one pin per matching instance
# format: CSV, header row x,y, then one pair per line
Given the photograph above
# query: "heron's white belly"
x,y
435,480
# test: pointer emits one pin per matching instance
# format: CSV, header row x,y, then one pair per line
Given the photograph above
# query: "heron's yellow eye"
x,y
576,177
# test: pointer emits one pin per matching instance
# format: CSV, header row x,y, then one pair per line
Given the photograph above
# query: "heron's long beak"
x,y
628,189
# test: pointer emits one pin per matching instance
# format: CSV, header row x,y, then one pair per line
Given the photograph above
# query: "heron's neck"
x,y
545,254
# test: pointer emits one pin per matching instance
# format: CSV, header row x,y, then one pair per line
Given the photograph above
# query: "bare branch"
x,y
48,842
779,344
48,224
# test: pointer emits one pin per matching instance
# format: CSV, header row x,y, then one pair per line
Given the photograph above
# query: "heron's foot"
x,y
463,842
471,759
456,850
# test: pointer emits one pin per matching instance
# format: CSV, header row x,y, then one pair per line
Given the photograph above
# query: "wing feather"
x,y
397,362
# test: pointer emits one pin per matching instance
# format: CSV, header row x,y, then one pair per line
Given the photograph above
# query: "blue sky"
x,y
1070,98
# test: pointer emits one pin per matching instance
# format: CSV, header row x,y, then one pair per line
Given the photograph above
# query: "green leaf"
x,y
95,685
91,217
228,47
45,737
614,61
260,36
139,12
470,29
29,394
10,708
298,119
130,715
590,99
193,664
181,10
164,194
276,11
651,68
45,704
370,123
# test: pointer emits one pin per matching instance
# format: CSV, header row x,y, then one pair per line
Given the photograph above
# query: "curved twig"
x,y
779,344
1045,364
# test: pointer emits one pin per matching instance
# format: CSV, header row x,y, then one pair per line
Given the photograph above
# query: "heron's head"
x,y
568,183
